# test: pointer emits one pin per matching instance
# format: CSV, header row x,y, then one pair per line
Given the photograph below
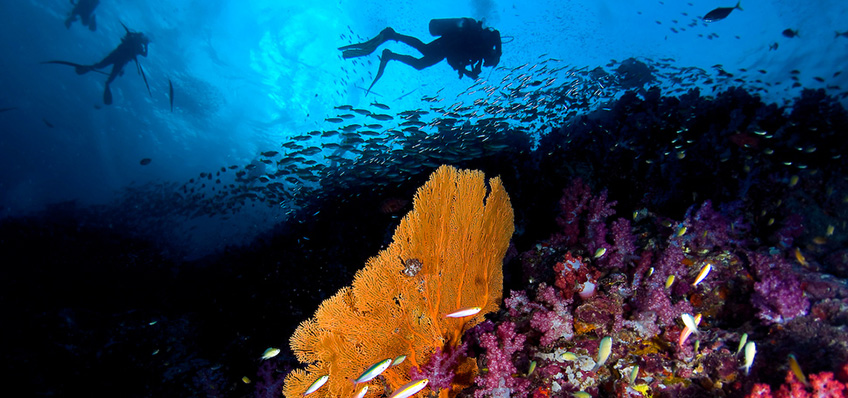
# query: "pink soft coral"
x,y
822,385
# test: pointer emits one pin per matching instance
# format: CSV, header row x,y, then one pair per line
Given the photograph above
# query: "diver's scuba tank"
x,y
443,26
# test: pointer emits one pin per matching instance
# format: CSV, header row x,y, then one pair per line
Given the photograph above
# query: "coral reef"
x,y
452,245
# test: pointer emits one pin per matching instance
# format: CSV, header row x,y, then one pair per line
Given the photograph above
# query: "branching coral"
x,y
457,235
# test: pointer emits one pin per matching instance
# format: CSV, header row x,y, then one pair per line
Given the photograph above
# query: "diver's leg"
x,y
71,18
107,92
90,22
368,47
410,41
110,59
417,63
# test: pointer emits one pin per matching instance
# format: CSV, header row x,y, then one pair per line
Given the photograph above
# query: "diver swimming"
x,y
84,9
132,45
462,41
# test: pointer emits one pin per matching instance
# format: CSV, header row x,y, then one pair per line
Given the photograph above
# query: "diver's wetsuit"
x,y
463,42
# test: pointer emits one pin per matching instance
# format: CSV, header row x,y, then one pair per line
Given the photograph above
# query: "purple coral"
x,y
572,204
652,296
440,368
553,323
500,347
791,229
778,293
596,227
624,250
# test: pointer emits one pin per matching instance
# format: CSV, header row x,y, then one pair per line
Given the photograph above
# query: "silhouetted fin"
x,y
171,94
80,69
7,109
141,71
125,27
107,96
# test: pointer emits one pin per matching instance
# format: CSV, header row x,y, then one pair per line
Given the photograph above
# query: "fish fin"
x,y
739,5
171,94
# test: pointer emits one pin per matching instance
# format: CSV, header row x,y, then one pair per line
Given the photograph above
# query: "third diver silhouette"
x,y
84,9
132,45
463,41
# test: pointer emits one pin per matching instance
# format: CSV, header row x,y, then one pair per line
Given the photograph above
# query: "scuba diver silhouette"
x,y
463,41
132,45
84,9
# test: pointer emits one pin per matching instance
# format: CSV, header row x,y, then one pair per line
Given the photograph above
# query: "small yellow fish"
x,y
633,374
703,274
669,281
689,321
245,380
470,311
820,240
581,394
829,231
270,353
532,368
770,221
361,392
793,180
796,369
742,342
600,252
697,345
604,350
750,353
316,385
800,257
398,360
568,356
374,371
409,389
680,231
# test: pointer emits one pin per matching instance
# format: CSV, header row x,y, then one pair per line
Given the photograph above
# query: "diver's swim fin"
x,y
384,59
368,47
107,96
80,69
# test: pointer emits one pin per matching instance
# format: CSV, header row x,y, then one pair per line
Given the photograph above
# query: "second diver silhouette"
x,y
132,45
84,10
462,41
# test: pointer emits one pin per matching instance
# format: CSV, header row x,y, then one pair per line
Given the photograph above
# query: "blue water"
x,y
248,76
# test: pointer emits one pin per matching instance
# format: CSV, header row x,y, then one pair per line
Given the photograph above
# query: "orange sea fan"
x,y
446,254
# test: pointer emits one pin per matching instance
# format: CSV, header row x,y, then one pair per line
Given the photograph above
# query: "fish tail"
x,y
837,34
739,5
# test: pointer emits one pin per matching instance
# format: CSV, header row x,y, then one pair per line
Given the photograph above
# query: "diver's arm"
x,y
474,72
